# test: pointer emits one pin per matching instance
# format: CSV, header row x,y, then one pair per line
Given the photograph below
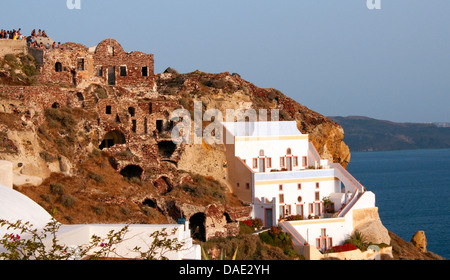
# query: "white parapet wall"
x,y
6,173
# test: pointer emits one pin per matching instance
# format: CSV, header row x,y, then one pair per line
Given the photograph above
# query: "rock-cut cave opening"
x,y
132,171
112,138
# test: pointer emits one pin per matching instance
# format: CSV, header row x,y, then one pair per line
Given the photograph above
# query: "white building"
x,y
273,167
15,206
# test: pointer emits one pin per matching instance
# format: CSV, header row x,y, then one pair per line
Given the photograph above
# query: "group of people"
x,y
31,40
12,34
39,33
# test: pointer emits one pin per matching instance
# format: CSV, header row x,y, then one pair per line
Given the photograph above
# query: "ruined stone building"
x,y
133,119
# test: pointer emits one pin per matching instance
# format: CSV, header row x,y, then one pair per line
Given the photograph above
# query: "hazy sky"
x,y
336,57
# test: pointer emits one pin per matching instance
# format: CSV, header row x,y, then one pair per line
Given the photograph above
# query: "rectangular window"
x,y
281,161
269,162
247,186
80,64
295,161
108,110
304,161
323,232
123,71
281,198
133,126
311,209
300,209
100,71
299,186
317,196
318,243
280,187
317,185
282,211
145,71
288,210
255,163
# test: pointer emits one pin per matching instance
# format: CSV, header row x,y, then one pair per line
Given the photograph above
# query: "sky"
x,y
336,57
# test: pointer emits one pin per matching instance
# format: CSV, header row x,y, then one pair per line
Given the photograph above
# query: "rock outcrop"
x,y
419,240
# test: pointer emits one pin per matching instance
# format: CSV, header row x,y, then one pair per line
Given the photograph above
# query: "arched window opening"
x,y
197,226
58,67
112,138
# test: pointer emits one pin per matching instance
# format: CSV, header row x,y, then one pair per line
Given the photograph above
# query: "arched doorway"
x,y
197,226
112,138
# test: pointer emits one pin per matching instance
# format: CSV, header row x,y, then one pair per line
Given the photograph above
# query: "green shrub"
x,y
99,210
96,177
68,200
57,188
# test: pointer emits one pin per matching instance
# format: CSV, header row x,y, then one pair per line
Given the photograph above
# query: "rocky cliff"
x,y
90,153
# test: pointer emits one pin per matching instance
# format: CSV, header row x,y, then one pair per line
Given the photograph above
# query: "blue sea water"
x,y
412,190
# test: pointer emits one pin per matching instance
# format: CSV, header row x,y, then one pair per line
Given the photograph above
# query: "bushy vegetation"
x,y
204,187
22,69
35,247
269,245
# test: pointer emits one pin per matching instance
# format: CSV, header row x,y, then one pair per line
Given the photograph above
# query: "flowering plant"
x,y
342,248
253,223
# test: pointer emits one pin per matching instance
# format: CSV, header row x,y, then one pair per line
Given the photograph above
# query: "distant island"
x,y
368,134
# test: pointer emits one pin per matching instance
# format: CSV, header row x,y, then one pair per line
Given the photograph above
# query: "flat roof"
x,y
272,128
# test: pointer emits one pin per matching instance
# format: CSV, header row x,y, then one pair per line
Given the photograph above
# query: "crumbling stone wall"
x,y
107,64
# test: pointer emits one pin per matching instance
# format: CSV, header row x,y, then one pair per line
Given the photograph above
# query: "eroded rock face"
x,y
419,240
374,231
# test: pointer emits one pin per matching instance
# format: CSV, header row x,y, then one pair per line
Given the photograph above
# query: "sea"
x,y
412,190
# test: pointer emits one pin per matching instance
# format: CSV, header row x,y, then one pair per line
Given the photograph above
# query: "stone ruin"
x,y
133,123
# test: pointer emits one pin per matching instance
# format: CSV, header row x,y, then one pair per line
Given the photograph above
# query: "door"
x,y
111,76
289,163
262,165
268,217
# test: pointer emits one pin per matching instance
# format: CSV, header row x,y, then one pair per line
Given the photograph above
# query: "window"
x,y
133,127
255,163
281,196
100,71
317,185
304,161
269,162
299,186
281,161
282,211
80,64
323,232
295,161
288,210
131,111
299,198
300,209
145,71
237,185
317,196
311,209
280,187
111,50
108,110
58,67
288,152
247,186
123,71
261,153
